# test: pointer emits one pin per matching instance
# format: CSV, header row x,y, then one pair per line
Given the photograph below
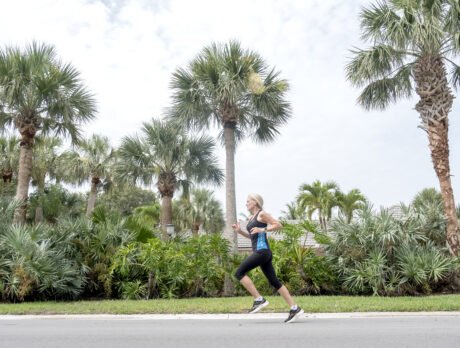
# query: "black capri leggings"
x,y
262,258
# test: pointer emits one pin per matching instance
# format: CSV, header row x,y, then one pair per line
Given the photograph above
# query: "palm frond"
x,y
381,24
380,93
455,76
374,63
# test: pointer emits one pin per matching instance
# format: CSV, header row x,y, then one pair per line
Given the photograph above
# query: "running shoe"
x,y
258,305
293,315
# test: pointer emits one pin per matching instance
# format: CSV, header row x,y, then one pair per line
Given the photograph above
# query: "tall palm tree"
x,y
93,160
200,209
350,202
166,155
39,93
410,44
9,156
234,89
46,162
320,198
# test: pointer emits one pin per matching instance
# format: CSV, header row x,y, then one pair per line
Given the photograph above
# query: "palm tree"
x,y
319,198
232,88
9,157
294,212
93,161
411,42
148,214
165,154
350,202
200,209
38,93
428,196
46,161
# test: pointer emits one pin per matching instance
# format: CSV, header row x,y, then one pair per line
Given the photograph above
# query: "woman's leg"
x,y
249,285
283,291
270,273
252,261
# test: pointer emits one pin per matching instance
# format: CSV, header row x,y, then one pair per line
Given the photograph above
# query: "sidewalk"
x,y
257,316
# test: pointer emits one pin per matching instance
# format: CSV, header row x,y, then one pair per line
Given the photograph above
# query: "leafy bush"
x,y
386,255
96,242
35,266
68,259
299,267
174,269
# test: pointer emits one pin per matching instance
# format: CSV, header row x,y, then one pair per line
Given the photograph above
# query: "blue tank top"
x,y
259,241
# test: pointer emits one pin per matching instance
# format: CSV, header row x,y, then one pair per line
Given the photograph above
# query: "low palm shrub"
x,y
66,260
381,254
33,265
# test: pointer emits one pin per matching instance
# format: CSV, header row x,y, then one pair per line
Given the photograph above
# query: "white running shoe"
x,y
258,305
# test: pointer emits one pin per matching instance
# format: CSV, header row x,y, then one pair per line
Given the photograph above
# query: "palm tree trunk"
x,y
24,175
6,185
150,285
7,175
230,202
92,196
321,220
166,214
38,214
166,185
438,137
349,216
196,228
434,106
39,209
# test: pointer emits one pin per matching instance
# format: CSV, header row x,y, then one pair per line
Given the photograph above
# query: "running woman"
x,y
257,228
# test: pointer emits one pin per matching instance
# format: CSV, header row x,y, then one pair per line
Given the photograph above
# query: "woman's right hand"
x,y
236,227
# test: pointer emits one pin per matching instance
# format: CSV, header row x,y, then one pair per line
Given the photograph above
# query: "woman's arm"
x,y
236,227
243,233
266,218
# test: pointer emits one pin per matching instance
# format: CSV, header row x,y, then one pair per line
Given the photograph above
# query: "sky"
x,y
127,50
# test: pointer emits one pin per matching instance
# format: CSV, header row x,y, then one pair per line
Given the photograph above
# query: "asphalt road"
x,y
307,332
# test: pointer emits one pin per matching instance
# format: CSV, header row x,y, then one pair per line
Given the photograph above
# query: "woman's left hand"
x,y
255,230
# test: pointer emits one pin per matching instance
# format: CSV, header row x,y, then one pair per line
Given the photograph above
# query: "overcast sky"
x,y
127,50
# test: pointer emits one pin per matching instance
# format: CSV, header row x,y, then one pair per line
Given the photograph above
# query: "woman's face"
x,y
250,204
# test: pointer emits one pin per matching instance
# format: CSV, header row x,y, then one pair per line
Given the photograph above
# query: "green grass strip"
x,y
312,304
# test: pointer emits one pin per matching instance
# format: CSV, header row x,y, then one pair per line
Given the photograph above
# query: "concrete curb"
x,y
257,316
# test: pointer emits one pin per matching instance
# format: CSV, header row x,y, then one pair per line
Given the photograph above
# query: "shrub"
x,y
56,202
386,255
173,269
33,266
